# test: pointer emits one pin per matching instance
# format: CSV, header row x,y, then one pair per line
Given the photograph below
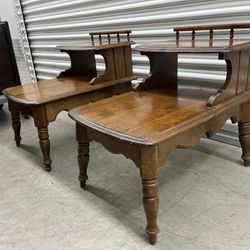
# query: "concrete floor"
x,y
204,196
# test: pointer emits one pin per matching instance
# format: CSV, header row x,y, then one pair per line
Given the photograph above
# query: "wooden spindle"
x,y
231,34
109,38
193,34
118,37
211,34
100,39
92,39
177,35
128,36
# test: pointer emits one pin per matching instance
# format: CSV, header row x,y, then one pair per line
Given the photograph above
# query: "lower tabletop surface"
x,y
144,115
50,90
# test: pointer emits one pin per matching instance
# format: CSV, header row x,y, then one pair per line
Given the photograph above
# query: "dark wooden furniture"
x,y
161,115
9,75
76,86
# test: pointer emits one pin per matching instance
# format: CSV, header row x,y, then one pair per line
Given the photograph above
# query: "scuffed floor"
x,y
204,196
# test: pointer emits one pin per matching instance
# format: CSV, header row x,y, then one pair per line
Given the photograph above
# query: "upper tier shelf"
x,y
196,46
95,47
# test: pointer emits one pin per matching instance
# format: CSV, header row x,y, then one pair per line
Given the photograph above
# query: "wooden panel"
x,y
128,60
243,72
248,75
120,65
163,71
229,88
109,73
82,63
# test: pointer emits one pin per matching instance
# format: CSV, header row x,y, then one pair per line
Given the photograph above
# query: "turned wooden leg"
x,y
149,164
45,146
16,124
151,204
83,154
244,136
244,132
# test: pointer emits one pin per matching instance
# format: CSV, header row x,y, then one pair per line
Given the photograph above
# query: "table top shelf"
x,y
90,46
55,89
195,46
151,116
144,116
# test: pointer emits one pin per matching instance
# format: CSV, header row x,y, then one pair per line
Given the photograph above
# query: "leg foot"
x,y
244,136
45,147
16,124
246,163
152,239
83,154
151,204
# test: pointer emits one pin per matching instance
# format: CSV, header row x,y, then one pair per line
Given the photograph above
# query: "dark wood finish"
x,y
244,133
151,204
44,142
76,86
16,124
163,70
145,125
79,67
56,89
9,75
83,154
237,80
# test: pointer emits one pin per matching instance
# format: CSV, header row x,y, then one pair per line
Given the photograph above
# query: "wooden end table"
x,y
74,87
145,125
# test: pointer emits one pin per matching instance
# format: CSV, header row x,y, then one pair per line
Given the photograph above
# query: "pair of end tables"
x,y
144,124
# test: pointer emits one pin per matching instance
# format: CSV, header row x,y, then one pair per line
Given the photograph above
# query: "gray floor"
x,y
204,196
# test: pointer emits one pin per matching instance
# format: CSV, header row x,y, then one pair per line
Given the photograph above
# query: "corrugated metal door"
x,y
50,22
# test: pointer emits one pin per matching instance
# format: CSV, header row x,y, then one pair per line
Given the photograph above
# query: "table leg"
x,y
16,124
149,176
244,133
41,121
244,136
43,136
151,204
83,153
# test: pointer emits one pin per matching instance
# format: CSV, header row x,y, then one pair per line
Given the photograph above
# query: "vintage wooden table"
x,y
145,125
76,86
